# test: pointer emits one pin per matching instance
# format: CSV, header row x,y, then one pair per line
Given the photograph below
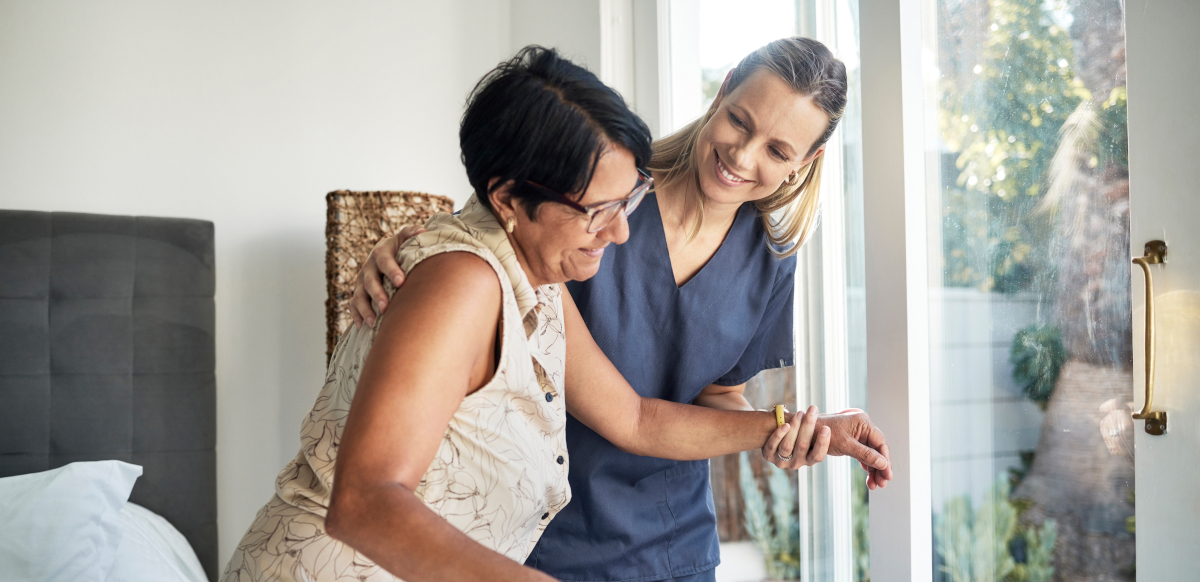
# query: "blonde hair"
x,y
811,70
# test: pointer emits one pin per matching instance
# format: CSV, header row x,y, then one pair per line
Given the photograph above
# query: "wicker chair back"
x,y
355,222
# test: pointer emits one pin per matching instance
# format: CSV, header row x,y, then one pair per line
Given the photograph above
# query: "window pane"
x,y
1031,389
710,37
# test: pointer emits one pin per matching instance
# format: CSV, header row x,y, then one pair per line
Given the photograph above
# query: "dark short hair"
x,y
540,118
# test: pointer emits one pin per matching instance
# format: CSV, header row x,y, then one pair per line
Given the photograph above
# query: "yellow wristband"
x,y
779,420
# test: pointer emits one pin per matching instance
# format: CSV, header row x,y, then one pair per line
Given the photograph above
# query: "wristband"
x,y
779,420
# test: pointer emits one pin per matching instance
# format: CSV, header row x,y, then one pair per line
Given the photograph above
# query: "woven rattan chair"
x,y
355,222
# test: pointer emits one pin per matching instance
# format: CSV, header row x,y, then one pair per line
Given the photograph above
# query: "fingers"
x,y
367,288
374,287
878,478
382,262
385,259
876,441
820,447
806,426
771,447
379,265
887,454
875,459
360,302
390,270
360,307
867,456
806,445
368,292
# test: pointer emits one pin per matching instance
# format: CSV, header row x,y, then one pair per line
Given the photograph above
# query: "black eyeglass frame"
x,y
629,203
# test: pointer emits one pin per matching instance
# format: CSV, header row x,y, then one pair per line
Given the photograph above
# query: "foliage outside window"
x,y
1034,205
1000,119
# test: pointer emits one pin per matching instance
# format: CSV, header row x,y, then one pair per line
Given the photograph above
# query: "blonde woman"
x,y
694,305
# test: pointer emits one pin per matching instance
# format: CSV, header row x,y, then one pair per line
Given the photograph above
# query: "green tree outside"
x,y
1001,116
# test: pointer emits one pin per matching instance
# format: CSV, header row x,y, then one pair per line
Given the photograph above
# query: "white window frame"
x,y
822,334
895,165
635,56
893,51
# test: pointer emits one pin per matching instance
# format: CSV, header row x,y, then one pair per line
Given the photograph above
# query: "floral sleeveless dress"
x,y
500,473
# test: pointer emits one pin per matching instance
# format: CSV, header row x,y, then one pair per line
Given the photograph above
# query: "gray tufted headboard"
x,y
107,352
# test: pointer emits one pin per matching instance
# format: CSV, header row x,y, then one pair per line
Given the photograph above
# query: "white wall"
x,y
245,114
571,26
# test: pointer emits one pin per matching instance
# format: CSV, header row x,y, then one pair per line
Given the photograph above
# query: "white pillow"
x,y
152,550
63,524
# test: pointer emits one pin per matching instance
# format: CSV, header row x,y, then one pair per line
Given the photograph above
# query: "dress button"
x,y
561,460
545,515
549,397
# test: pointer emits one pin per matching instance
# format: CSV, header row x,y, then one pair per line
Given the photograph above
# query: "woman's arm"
x,y
599,397
854,431
435,346
723,397
775,450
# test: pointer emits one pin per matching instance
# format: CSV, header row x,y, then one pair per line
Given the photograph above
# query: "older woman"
x,y
437,447
704,294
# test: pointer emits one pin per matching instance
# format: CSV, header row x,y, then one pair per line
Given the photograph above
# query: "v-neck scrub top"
x,y
635,518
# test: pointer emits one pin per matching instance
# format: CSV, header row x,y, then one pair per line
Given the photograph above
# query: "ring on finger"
x,y
783,458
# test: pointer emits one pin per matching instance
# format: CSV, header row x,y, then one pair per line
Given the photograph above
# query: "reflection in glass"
x,y
1030,324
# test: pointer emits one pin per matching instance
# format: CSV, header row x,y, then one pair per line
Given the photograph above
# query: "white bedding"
x,y
63,525
153,550
74,524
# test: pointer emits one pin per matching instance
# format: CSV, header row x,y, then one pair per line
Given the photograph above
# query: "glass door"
x,y
1012,170
1029,331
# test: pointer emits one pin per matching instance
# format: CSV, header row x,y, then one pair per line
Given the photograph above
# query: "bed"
x,y
107,353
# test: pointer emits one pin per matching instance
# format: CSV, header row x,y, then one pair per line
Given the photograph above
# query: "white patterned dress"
x,y
500,473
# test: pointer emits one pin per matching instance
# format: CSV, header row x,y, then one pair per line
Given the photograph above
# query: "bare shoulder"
x,y
459,266
461,283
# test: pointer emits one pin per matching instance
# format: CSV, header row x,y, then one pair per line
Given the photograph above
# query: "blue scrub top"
x,y
634,518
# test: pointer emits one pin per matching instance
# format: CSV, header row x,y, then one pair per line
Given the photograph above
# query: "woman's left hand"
x,y
798,442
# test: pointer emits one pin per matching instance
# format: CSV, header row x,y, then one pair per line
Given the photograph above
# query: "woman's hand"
x,y
855,436
368,284
798,442
848,433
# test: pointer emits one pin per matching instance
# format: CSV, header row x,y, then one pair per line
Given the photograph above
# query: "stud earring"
x,y
510,226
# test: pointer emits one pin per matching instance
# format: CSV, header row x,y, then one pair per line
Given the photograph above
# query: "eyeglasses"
x,y
599,215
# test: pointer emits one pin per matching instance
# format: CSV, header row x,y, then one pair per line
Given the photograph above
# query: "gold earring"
x,y
510,226
792,179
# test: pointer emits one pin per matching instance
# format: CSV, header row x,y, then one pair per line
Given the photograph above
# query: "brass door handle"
x,y
1156,422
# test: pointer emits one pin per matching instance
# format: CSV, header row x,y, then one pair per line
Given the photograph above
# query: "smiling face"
x,y
557,247
760,133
